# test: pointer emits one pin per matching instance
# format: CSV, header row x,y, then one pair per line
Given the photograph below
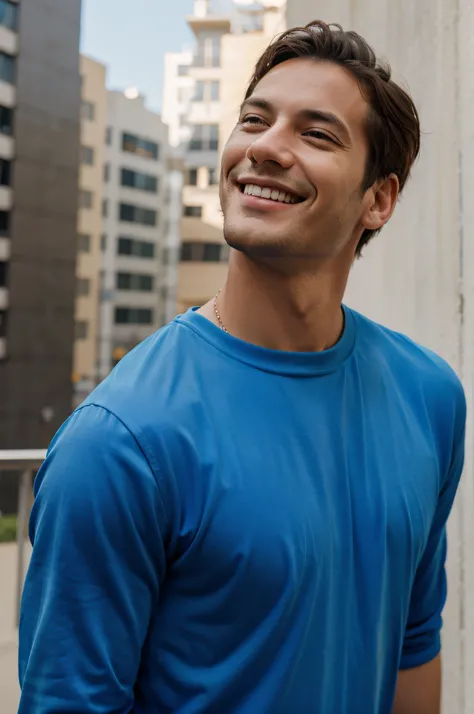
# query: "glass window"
x,y
4,223
3,273
142,147
108,136
83,243
6,120
83,286
105,208
183,70
215,90
9,14
5,172
213,137
137,248
87,155
133,316
199,91
137,214
213,177
216,51
192,177
205,137
135,179
82,328
192,211
3,323
204,252
106,173
103,242
7,68
88,110
134,281
85,199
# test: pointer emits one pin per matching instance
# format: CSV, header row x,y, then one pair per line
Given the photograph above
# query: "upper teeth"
x,y
272,193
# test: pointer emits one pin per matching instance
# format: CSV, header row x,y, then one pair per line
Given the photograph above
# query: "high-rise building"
x,y
177,96
134,215
39,155
89,226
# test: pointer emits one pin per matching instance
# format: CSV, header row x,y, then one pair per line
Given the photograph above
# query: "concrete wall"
x,y
418,275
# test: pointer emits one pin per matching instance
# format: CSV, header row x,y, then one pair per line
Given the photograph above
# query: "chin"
x,y
257,243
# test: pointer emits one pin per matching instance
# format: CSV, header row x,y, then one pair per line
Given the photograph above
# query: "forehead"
x,y
301,84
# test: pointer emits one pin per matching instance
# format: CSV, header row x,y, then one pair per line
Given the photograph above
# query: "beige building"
x,y
89,225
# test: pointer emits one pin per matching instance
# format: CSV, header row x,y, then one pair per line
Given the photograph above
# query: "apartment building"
x,y
89,226
177,97
39,156
135,224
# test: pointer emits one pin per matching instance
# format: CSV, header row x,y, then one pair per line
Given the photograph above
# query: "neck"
x,y
298,312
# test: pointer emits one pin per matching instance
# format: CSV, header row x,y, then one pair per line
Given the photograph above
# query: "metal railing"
x,y
25,462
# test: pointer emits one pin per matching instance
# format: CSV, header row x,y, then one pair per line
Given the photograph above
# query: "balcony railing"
x,y
24,463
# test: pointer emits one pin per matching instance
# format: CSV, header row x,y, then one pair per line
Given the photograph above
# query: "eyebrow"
x,y
317,115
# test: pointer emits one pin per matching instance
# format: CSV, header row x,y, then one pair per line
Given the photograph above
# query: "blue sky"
x,y
131,36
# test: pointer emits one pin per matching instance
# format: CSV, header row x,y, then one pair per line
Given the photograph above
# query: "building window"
x,y
7,68
204,137
88,110
4,223
137,248
133,316
81,329
5,172
213,177
85,199
83,243
183,70
6,120
87,155
192,177
9,14
108,136
199,91
106,173
3,323
103,242
215,91
137,214
142,147
204,252
135,179
192,211
105,208
83,287
3,273
216,52
135,281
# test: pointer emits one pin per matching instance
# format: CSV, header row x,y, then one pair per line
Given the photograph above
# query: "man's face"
x,y
293,168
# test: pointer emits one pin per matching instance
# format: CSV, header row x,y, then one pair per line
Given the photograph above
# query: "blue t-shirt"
x,y
223,528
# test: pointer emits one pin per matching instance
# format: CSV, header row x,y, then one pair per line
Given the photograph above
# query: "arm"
x,y
98,559
419,689
419,682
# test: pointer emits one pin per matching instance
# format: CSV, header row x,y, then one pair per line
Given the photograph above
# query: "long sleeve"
x,y
97,529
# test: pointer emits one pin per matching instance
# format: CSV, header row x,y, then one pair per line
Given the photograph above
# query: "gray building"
x,y
39,153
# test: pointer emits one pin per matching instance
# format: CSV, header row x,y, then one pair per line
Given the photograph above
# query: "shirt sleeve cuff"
x,y
418,658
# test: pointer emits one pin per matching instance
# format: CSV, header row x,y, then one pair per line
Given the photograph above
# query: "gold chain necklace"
x,y
216,310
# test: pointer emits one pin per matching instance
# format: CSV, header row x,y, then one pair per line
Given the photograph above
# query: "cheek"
x,y
335,175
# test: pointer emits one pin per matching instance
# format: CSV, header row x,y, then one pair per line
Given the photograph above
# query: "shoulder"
x,y
411,365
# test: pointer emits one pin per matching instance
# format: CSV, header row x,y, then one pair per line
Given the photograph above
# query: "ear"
x,y
381,201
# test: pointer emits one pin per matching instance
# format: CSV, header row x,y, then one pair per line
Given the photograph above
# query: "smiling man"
x,y
248,516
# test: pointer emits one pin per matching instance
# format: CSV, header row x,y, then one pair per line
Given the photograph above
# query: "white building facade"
x,y
135,224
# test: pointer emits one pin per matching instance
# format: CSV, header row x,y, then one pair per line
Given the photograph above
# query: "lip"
x,y
270,183
264,204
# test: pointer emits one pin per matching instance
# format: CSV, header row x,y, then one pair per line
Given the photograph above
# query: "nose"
x,y
273,145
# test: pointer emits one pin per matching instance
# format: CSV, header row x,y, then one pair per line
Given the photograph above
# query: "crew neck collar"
x,y
296,364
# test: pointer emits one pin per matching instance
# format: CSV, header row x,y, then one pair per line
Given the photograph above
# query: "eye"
x,y
320,135
252,119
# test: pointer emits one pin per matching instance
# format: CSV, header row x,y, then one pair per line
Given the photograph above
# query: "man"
x,y
249,514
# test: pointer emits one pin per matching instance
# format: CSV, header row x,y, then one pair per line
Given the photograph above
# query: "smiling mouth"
x,y
269,193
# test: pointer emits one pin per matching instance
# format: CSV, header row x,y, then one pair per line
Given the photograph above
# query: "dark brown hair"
x,y
393,126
